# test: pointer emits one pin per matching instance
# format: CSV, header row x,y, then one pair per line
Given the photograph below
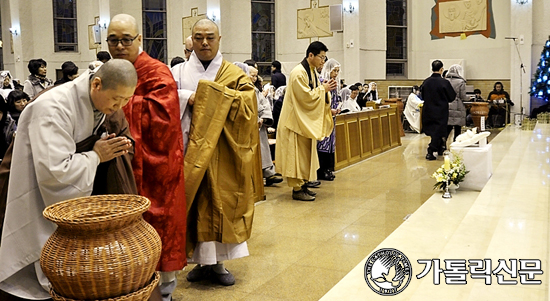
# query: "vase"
x,y
453,186
478,110
102,248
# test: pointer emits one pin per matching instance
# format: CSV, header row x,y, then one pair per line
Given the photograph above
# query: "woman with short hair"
x,y
37,80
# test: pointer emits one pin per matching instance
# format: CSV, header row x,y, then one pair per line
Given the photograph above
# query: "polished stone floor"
x,y
507,222
300,250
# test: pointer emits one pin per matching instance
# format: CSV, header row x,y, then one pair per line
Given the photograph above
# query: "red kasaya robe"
x,y
153,114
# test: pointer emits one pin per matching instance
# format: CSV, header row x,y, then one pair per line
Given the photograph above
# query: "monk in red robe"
x,y
153,114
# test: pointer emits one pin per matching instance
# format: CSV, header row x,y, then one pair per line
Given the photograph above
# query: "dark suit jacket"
x,y
437,93
278,79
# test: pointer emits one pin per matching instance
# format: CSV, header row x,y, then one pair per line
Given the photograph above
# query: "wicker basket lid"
x,y
97,213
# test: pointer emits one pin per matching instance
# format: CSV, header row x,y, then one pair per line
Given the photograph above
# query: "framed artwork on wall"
x,y
452,18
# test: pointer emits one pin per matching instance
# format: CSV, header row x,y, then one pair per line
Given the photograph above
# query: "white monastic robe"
x,y
187,76
412,112
351,104
45,170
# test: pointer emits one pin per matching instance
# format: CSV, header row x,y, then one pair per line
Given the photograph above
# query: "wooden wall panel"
x,y
354,135
364,134
341,155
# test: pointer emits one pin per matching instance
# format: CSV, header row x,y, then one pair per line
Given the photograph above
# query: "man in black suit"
x,y
277,78
437,93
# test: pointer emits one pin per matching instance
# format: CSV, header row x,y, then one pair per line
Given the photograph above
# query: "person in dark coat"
x,y
278,79
437,93
70,72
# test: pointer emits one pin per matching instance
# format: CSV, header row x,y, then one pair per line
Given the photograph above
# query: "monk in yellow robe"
x,y
305,119
222,165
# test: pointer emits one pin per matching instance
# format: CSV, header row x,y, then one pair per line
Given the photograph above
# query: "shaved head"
x,y
205,22
206,39
188,47
123,28
112,86
127,20
117,72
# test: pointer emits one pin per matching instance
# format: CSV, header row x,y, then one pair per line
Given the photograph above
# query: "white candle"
x,y
447,164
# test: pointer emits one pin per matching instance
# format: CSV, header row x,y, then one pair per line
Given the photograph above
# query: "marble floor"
x,y
300,250
507,222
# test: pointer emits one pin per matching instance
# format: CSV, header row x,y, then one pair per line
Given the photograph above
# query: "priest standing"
x,y
305,118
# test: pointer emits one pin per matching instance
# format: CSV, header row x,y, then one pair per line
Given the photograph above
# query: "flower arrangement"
x,y
452,171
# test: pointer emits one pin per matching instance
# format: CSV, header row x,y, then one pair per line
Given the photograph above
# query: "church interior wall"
x,y
174,17
372,39
486,59
291,50
236,30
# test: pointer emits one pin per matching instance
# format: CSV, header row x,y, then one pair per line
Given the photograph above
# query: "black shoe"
x,y
199,273
273,180
326,176
223,279
312,184
304,188
301,195
430,157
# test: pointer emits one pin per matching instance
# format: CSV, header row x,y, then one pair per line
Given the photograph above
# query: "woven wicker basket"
x,y
140,295
102,247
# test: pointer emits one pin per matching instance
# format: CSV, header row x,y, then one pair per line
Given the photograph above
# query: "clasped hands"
x,y
330,85
110,147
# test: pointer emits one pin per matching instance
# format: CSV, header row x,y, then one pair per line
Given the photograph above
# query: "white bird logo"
x,y
388,267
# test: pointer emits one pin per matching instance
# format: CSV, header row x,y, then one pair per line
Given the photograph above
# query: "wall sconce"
x,y
13,31
350,9
522,2
102,24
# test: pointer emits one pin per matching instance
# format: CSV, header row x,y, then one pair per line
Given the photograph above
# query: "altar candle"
x,y
447,164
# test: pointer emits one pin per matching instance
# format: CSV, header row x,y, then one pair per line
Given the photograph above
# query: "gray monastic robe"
x,y
46,170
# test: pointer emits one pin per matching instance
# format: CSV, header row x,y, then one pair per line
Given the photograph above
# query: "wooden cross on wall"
x,y
188,22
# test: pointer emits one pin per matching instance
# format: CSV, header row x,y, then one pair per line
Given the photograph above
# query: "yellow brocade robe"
x,y
222,165
305,118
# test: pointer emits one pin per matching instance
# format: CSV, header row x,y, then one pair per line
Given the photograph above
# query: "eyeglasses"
x,y
322,57
124,41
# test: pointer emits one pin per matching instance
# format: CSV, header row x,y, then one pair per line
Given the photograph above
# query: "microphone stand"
x,y
521,67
